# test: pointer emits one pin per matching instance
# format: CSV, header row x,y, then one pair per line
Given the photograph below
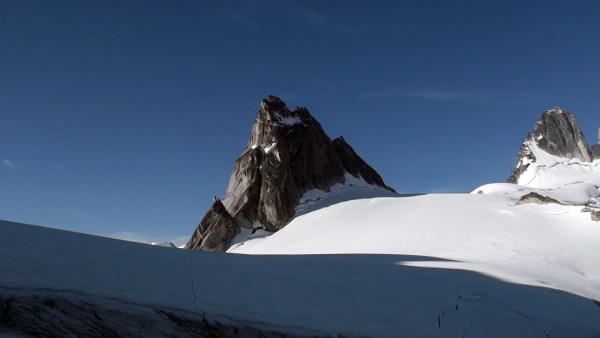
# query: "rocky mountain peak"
x,y
274,111
288,153
272,104
275,118
556,133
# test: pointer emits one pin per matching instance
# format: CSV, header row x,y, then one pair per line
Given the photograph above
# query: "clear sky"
x,y
124,118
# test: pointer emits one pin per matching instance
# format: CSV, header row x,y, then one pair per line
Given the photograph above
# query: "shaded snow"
x,y
249,234
352,294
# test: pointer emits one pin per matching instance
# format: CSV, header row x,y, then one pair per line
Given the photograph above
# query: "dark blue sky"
x,y
123,118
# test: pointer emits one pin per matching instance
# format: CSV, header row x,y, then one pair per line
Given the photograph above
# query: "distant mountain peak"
x,y
556,137
558,133
288,154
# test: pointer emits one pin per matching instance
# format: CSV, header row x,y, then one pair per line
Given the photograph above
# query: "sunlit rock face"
x,y
556,133
288,153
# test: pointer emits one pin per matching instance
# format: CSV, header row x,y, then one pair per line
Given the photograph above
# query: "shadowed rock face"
x,y
288,153
556,132
355,165
596,151
216,229
596,148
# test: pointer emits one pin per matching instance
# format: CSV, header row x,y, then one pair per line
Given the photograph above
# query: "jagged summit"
x,y
556,110
288,154
273,110
555,138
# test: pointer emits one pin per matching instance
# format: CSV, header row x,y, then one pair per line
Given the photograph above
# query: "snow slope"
x,y
549,245
439,265
352,188
552,246
551,171
432,265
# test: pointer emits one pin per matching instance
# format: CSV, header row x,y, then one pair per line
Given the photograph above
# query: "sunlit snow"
x,y
287,120
554,171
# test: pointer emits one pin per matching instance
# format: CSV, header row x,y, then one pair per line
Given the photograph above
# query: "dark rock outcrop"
x,y
534,197
288,153
596,151
596,148
216,229
524,158
557,133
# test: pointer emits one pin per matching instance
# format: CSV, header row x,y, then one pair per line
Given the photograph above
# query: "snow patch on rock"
x,y
287,120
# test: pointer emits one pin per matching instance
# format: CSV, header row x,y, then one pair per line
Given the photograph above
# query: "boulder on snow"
x,y
594,213
288,153
534,197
